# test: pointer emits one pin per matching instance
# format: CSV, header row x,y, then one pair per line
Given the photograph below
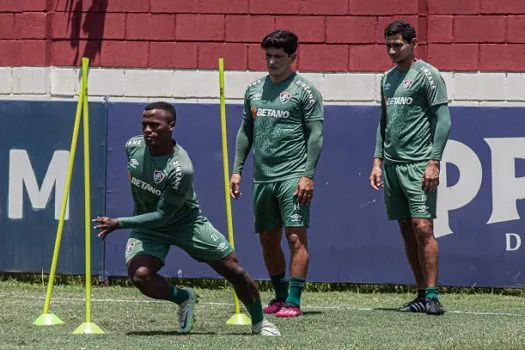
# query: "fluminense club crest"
x,y
407,83
158,176
285,96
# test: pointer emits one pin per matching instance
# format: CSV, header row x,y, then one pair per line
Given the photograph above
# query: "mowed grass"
x,y
332,320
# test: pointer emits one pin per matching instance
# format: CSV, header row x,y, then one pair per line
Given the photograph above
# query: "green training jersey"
x,y
161,179
278,113
407,122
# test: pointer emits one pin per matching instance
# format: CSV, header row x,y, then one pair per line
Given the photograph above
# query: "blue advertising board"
x,y
35,139
350,239
480,199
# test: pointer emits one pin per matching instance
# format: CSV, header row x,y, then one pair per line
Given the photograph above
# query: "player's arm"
x,y
375,175
313,114
314,146
244,140
171,200
441,130
243,144
436,94
313,117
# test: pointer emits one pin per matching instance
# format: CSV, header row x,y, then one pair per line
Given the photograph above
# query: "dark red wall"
x,y
336,35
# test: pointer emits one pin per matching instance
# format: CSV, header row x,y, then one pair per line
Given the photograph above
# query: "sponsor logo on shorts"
x,y
422,209
158,176
222,247
130,247
285,96
295,218
407,83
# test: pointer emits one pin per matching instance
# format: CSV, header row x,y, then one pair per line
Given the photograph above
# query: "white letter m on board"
x,y
21,173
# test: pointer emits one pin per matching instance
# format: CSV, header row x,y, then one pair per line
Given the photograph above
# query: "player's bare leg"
x,y
298,243
273,255
427,250
247,291
412,253
244,285
143,272
428,260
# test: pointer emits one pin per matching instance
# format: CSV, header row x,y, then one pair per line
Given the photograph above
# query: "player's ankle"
x,y
178,295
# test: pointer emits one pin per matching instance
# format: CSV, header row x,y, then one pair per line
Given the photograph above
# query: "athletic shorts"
x,y
200,239
404,194
274,205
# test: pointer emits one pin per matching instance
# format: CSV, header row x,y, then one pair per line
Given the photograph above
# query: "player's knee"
x,y
237,275
423,230
295,242
141,275
269,243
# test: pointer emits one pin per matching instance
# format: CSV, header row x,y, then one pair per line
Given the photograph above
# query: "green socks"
x,y
280,286
296,289
432,293
255,310
178,295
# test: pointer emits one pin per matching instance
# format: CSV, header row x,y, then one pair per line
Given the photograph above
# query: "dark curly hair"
x,y
281,39
401,27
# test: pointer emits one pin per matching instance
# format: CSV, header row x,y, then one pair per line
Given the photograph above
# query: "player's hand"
x,y
107,225
375,177
304,191
235,186
431,176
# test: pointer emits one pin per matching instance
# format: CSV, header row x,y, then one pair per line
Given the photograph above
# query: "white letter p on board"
x,y
464,191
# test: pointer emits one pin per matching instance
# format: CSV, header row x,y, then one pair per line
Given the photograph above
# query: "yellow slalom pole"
x,y
47,318
87,327
238,318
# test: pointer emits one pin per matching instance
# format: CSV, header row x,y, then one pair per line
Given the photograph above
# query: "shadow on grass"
x,y
391,309
307,313
179,334
152,333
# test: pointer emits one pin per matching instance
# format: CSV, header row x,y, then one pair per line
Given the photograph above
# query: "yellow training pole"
x,y
87,327
47,318
238,318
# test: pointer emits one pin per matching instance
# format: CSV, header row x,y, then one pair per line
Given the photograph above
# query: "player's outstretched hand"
x,y
375,177
107,225
431,176
304,191
235,186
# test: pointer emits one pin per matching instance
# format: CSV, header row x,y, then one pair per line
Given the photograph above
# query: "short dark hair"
x,y
281,39
401,27
165,106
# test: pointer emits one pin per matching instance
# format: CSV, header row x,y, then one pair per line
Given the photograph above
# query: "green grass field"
x,y
333,320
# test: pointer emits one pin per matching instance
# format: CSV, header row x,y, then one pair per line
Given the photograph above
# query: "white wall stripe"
x,y
143,85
